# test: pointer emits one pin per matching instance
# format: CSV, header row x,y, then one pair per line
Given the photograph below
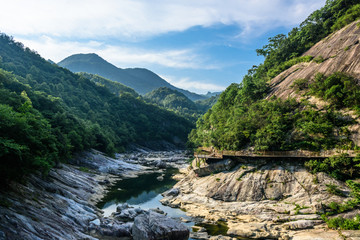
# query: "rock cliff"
x,y
339,52
260,199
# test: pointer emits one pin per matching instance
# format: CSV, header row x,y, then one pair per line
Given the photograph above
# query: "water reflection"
x,y
144,192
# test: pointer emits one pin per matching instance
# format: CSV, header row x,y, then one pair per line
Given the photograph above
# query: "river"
x,y
144,191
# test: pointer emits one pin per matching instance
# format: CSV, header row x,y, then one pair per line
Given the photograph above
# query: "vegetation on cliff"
x,y
247,117
242,118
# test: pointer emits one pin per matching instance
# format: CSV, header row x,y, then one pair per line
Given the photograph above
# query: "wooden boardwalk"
x,y
210,153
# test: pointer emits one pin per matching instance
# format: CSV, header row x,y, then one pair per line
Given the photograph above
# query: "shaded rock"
x,y
95,222
152,225
220,237
158,210
160,164
111,228
199,235
318,234
122,207
128,214
302,224
207,169
104,182
185,220
349,234
171,192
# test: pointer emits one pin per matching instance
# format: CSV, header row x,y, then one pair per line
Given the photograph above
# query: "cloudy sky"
x,y
199,45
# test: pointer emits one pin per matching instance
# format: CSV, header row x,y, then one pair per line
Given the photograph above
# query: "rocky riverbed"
x,y
245,199
260,199
61,205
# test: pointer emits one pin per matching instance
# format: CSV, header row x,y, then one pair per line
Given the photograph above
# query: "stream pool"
x,y
143,191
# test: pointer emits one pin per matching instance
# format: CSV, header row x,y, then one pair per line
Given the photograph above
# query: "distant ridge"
x,y
140,79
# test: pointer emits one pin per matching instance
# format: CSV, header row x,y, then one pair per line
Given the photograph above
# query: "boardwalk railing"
x,y
211,153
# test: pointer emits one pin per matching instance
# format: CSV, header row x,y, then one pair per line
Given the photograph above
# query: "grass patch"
x,y
336,208
85,169
300,84
333,189
298,208
319,59
315,180
285,65
344,223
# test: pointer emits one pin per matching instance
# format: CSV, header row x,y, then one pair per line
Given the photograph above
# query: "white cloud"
x,y
194,86
136,19
120,56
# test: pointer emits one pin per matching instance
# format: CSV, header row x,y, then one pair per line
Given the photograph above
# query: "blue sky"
x,y
199,45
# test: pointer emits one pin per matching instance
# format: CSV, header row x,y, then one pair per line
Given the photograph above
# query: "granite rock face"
x,y
59,207
275,199
340,53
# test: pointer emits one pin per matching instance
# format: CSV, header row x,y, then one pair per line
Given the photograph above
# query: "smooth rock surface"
x,y
152,225
273,199
62,205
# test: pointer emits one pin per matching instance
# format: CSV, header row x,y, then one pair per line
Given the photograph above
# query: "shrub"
x,y
300,84
319,59
333,189
285,65
343,223
341,167
350,15
339,89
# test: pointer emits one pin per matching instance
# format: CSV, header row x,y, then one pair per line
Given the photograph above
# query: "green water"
x,y
143,191
220,228
139,190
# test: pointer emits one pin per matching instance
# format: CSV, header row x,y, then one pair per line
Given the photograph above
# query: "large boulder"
x,y
153,226
126,213
171,192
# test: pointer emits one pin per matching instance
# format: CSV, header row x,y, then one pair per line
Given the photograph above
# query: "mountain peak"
x,y
83,57
142,80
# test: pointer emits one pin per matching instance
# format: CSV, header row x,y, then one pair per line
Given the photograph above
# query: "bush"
x,y
339,89
319,59
285,65
341,167
300,84
344,223
333,189
350,15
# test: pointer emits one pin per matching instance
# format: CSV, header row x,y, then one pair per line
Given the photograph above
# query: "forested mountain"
x,y
174,101
206,104
170,99
114,87
140,79
302,96
48,112
179,103
212,94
